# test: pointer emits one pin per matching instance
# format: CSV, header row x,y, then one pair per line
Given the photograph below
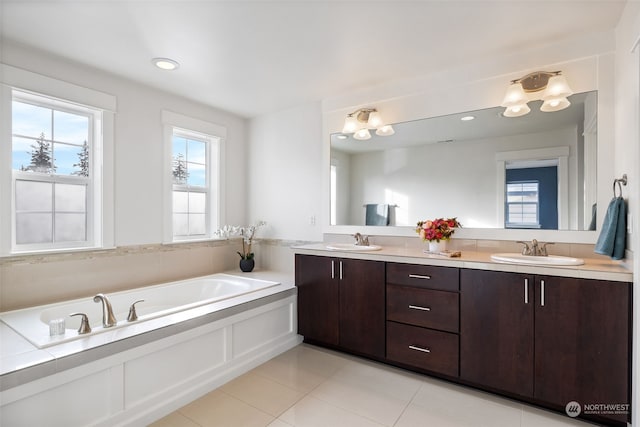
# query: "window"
x,y
54,147
193,171
190,170
522,204
334,194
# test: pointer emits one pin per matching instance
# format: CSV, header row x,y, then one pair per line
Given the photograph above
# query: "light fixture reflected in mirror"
x,y
360,121
521,91
385,130
362,134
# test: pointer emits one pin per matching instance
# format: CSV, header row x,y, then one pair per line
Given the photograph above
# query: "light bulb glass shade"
x,y
350,124
516,110
554,104
375,121
515,96
385,130
557,87
362,134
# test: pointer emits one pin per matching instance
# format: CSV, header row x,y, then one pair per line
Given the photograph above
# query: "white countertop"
x,y
593,268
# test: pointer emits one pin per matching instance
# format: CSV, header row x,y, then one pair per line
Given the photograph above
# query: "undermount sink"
x,y
352,247
516,258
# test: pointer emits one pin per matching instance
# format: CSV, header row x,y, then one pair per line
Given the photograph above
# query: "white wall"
x,y
285,173
141,259
627,157
138,142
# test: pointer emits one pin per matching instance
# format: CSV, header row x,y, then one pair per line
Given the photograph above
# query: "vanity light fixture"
x,y
467,118
521,91
360,121
165,64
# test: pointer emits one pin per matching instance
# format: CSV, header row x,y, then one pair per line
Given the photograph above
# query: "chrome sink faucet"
x,y
535,248
108,319
361,240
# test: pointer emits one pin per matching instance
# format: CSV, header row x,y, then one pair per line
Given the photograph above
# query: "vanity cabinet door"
x,y
341,303
318,298
362,306
582,342
496,330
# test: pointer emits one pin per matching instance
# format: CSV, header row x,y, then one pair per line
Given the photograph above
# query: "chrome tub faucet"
x,y
108,319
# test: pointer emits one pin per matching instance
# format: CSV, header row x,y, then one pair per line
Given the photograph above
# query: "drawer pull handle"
x,y
424,350
419,276
417,307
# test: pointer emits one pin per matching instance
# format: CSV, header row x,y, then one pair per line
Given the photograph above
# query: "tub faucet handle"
x,y
84,323
108,319
133,316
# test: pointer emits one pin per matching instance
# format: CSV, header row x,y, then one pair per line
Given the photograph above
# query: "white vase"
x,y
436,247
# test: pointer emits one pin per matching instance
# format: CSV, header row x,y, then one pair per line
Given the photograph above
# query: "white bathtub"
x,y
159,300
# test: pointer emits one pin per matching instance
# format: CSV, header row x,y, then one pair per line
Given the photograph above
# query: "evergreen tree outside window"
x,y
51,150
190,172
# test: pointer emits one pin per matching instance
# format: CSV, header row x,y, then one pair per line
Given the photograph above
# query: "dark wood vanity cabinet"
x,y
582,342
318,296
550,339
423,317
544,339
496,330
341,302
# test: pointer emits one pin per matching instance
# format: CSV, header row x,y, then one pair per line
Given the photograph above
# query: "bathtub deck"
x,y
22,362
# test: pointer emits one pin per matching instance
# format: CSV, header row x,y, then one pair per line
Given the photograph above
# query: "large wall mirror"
x,y
536,171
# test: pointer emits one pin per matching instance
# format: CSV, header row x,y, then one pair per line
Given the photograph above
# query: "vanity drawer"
x,y
423,348
424,276
424,307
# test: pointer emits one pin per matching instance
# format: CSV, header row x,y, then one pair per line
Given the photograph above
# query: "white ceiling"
x,y
257,57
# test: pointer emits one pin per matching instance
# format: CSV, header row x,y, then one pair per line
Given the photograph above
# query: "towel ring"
x,y
620,181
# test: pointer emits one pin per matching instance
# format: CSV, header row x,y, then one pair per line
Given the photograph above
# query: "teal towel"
x,y
377,214
612,239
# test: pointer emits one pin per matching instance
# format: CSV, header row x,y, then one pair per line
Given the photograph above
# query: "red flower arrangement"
x,y
437,229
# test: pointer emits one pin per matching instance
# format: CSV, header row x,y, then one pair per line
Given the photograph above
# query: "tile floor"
x,y
311,386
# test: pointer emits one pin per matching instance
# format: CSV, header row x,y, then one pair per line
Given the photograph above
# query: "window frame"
x,y
214,135
92,189
52,93
507,204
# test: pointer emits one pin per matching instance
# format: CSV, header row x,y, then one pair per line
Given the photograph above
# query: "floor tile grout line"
x,y
179,411
422,383
249,404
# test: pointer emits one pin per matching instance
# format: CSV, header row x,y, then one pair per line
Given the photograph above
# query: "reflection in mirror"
x,y
535,171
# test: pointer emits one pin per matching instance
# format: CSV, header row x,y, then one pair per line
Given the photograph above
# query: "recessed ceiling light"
x,y
467,118
342,136
165,64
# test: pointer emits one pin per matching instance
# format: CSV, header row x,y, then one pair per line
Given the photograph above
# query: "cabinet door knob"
x,y
424,350
417,307
419,276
